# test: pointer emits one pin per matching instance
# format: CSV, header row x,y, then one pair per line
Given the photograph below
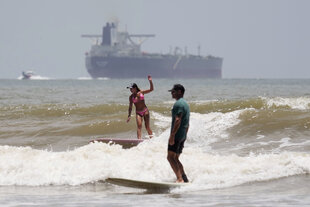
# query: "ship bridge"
x,y
114,42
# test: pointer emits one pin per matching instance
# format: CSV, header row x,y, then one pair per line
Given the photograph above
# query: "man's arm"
x,y
176,127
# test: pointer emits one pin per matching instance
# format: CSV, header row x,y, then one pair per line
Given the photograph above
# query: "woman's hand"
x,y
128,119
149,78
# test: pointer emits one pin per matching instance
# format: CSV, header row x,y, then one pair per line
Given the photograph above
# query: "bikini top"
x,y
135,99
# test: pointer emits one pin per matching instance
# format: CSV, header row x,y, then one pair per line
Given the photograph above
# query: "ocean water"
x,y
248,143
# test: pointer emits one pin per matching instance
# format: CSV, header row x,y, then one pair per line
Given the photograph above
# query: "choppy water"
x,y
248,143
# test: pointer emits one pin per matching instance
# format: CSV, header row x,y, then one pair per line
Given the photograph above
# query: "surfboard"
x,y
144,184
121,141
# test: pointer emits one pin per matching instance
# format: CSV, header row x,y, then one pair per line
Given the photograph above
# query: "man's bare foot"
x,y
179,181
185,179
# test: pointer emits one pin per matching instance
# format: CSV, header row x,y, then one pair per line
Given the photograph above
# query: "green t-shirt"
x,y
180,106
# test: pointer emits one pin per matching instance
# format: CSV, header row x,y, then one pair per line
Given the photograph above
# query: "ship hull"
x,y
157,67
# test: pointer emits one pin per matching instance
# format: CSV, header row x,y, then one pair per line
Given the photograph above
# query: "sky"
x,y
256,38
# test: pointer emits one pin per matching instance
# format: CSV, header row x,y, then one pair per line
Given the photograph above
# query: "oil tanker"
x,y
117,54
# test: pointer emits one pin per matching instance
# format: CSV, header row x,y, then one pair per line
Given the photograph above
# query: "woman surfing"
x,y
142,112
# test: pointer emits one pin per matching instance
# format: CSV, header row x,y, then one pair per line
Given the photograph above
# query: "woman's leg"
x,y
147,124
139,125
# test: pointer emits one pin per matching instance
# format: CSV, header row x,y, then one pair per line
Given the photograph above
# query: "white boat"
x,y
27,75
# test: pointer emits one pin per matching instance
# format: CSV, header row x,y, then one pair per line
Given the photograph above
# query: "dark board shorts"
x,y
178,146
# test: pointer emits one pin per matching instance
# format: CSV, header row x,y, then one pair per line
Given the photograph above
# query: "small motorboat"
x,y
27,75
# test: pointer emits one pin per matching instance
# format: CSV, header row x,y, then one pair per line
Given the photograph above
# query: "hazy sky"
x,y
256,38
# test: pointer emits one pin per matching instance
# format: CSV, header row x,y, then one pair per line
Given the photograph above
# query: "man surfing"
x,y
178,133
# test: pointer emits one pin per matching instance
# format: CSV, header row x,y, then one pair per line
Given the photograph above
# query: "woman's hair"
x,y
134,85
138,89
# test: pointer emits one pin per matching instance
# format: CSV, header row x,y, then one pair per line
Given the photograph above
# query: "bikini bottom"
x,y
142,113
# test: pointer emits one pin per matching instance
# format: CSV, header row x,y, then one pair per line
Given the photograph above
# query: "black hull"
x,y
157,67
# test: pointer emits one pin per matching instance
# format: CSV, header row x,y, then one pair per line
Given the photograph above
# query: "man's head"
x,y
177,91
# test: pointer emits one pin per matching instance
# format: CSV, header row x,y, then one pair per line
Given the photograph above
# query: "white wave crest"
x,y
147,161
299,103
204,128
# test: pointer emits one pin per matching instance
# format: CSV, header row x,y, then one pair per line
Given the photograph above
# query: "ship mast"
x,y
142,38
111,36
